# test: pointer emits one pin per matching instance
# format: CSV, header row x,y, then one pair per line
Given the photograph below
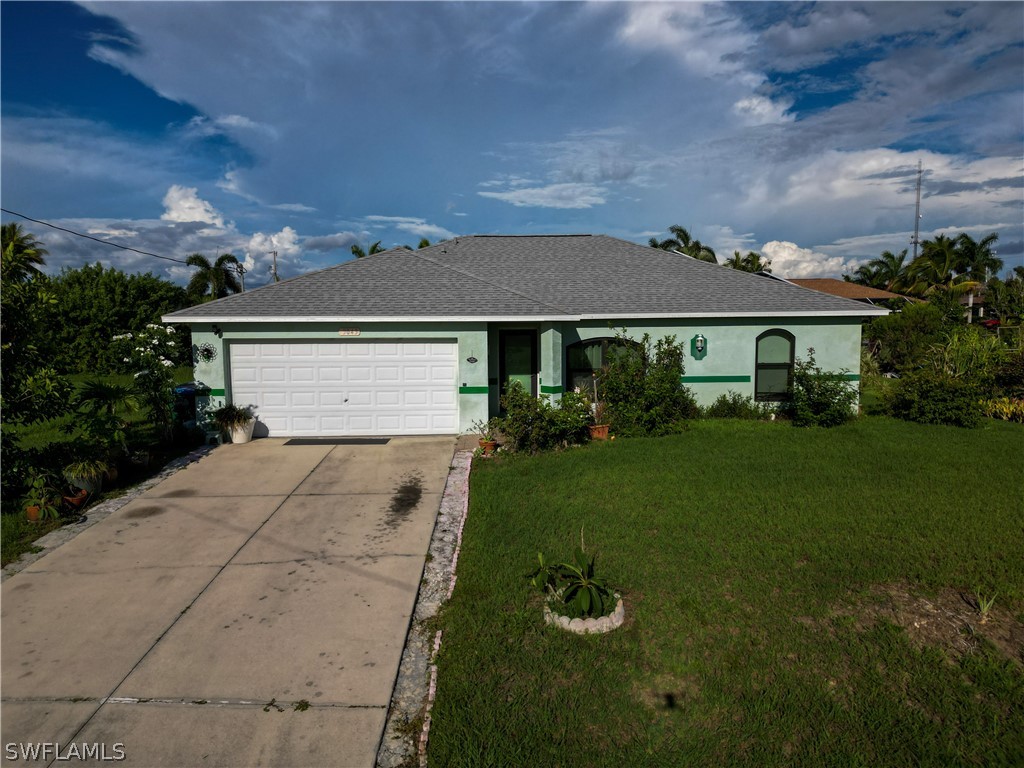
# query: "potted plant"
x,y
237,422
599,429
87,474
41,499
487,438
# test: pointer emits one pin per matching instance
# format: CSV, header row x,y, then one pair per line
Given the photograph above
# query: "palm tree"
x,y
22,254
978,258
682,242
359,253
937,269
890,269
752,262
865,274
214,281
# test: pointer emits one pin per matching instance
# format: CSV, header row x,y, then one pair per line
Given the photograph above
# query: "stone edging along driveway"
x,y
405,733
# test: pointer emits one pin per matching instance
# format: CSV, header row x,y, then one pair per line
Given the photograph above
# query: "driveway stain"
x,y
406,496
145,512
178,493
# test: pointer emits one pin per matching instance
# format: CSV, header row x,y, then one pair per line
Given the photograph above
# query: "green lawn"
x,y
767,573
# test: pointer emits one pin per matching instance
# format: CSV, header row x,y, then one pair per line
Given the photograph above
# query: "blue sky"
x,y
792,129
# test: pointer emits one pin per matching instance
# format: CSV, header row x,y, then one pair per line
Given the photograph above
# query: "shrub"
x,y
819,398
733,405
1009,378
930,397
533,424
642,388
901,340
968,353
1005,408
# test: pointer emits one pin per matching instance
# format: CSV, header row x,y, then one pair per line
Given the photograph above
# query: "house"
x,y
848,290
422,342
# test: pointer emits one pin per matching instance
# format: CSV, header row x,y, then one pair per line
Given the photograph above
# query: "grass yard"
x,y
793,597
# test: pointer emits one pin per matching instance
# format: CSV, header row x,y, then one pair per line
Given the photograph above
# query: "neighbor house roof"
x,y
534,277
846,289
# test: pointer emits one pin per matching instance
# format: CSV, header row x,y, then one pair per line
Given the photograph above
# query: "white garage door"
x,y
348,388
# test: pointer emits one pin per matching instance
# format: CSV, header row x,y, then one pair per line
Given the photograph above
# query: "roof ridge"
x,y
479,279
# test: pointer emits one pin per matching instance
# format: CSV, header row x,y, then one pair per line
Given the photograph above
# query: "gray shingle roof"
x,y
535,276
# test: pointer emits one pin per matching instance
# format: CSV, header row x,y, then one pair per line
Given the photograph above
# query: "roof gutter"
x,y
186,318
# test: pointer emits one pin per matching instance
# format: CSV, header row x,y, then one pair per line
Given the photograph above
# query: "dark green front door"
x,y
517,351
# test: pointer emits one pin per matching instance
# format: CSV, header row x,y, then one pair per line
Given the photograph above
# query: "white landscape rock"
x,y
592,626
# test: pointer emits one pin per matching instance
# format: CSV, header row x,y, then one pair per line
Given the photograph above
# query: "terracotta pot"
x,y
598,431
32,513
488,446
78,499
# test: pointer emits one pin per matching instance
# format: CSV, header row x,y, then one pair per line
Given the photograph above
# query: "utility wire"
x,y
90,237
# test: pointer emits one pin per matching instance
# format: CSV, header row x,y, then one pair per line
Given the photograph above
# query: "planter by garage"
x,y
242,433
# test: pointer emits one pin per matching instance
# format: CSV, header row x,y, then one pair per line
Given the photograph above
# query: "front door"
x,y
517,351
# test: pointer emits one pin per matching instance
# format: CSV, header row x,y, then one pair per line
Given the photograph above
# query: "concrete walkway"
x,y
249,610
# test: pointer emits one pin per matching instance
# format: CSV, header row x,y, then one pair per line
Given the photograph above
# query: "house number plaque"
x,y
348,332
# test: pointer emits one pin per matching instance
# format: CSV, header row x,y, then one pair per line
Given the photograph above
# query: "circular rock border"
x,y
587,626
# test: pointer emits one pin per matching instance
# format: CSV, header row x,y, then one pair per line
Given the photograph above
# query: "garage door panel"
x,y
348,388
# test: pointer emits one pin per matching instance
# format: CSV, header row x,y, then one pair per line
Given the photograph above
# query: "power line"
x,y
96,239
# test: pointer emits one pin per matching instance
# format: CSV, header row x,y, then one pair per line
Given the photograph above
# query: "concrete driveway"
x,y
249,610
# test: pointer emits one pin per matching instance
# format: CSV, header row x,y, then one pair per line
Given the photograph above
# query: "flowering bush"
x,y
148,356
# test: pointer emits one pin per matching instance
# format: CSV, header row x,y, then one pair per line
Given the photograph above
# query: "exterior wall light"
x,y
698,347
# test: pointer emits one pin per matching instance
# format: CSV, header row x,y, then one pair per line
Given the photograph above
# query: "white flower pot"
x,y
242,434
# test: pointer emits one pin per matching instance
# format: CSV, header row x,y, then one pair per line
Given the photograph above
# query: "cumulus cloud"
x,y
552,196
184,204
790,260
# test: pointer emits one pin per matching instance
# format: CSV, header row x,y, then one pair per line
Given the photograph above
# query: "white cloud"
x,y
760,110
552,196
184,204
412,225
707,38
790,260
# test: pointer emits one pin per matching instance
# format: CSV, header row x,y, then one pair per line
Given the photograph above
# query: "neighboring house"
x,y
848,290
422,342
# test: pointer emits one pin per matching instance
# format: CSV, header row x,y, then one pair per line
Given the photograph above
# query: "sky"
x,y
791,129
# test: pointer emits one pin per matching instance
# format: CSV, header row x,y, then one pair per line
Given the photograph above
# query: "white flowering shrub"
x,y
148,356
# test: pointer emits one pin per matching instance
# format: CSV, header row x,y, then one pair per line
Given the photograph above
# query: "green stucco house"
x,y
422,342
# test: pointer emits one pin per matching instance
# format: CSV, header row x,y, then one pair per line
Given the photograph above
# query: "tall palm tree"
x,y
977,258
23,255
683,242
213,281
359,253
937,269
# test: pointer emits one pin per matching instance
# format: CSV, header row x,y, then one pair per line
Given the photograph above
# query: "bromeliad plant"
x,y
572,588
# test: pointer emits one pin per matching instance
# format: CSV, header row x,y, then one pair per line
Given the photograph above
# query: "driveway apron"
x,y
249,610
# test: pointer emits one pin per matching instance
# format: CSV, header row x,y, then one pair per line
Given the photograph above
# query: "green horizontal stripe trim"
x,y
546,390
713,379
850,377
474,390
217,393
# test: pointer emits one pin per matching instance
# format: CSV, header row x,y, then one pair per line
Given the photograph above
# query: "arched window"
x,y
774,369
584,358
